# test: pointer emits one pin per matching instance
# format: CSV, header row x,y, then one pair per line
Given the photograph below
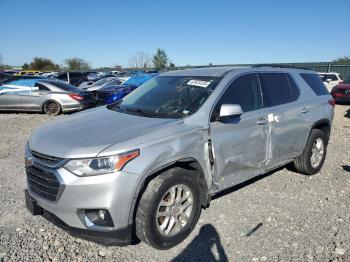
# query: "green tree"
x,y
42,64
345,60
160,59
25,66
76,63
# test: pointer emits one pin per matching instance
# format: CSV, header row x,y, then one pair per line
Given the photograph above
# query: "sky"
x,y
191,32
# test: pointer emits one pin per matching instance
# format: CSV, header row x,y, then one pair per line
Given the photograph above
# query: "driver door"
x,y
9,101
240,143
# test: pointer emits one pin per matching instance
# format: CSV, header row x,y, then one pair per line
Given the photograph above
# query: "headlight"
x,y
100,165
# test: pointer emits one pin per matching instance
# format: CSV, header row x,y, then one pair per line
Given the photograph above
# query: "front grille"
x,y
47,160
43,182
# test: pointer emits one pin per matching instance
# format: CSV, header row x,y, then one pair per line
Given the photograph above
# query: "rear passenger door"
x,y
286,115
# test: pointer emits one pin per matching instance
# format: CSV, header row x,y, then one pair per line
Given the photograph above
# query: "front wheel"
x,y
52,108
169,209
313,156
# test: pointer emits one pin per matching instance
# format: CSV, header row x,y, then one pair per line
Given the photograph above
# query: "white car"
x,y
331,79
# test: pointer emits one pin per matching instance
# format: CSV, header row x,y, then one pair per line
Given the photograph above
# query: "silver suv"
x,y
142,168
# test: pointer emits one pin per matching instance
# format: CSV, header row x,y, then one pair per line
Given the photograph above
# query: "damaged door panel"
x,y
240,148
240,143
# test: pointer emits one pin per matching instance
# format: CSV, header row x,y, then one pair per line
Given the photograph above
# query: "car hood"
x,y
87,133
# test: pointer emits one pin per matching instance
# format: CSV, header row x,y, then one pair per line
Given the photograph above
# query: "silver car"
x,y
150,162
51,97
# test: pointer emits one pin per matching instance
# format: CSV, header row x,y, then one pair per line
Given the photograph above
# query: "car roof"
x,y
221,71
325,73
205,71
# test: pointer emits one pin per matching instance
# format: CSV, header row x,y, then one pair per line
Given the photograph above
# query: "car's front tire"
x,y
311,160
169,209
52,108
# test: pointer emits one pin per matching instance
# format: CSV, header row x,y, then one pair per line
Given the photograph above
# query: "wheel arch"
x,y
324,125
190,164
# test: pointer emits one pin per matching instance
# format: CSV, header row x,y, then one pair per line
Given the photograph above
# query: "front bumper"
x,y
121,237
113,192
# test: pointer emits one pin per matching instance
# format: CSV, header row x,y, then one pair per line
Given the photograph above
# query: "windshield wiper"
x,y
142,112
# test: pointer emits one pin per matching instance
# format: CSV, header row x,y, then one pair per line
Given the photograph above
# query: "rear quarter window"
x,y
316,84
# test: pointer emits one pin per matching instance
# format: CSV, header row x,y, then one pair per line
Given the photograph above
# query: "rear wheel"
x,y
169,209
52,108
313,156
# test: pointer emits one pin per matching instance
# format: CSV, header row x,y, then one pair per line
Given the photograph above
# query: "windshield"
x,y
168,96
113,82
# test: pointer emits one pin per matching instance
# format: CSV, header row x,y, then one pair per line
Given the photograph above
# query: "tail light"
x,y
331,102
76,96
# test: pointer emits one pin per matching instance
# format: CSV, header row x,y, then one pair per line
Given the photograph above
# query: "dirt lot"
x,y
281,217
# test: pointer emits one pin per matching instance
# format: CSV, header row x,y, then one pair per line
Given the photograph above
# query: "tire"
x,y
52,108
304,164
148,226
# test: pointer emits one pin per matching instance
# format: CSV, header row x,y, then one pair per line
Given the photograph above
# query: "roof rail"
x,y
280,66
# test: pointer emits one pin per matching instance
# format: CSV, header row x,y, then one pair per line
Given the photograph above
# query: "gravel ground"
x,y
281,217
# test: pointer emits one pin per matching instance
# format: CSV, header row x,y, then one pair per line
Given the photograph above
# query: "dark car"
x,y
5,76
110,94
74,78
48,96
341,92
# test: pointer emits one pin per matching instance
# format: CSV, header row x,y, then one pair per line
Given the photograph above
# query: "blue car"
x,y
20,85
111,94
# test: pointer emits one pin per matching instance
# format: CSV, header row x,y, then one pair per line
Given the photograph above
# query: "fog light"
x,y
102,214
97,217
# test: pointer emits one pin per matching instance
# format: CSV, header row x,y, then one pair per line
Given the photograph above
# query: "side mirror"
x,y
329,80
228,110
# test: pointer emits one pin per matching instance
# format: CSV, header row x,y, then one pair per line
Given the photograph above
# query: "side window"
x,y
331,77
278,89
315,83
244,91
42,87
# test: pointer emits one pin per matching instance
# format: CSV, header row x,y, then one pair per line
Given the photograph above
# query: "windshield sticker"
x,y
199,83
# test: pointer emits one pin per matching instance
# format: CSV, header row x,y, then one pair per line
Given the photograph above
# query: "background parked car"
x,y
111,81
341,92
27,72
49,96
74,78
113,93
96,82
5,76
20,81
331,79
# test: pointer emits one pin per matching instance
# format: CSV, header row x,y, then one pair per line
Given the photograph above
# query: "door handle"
x,y
262,121
304,110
